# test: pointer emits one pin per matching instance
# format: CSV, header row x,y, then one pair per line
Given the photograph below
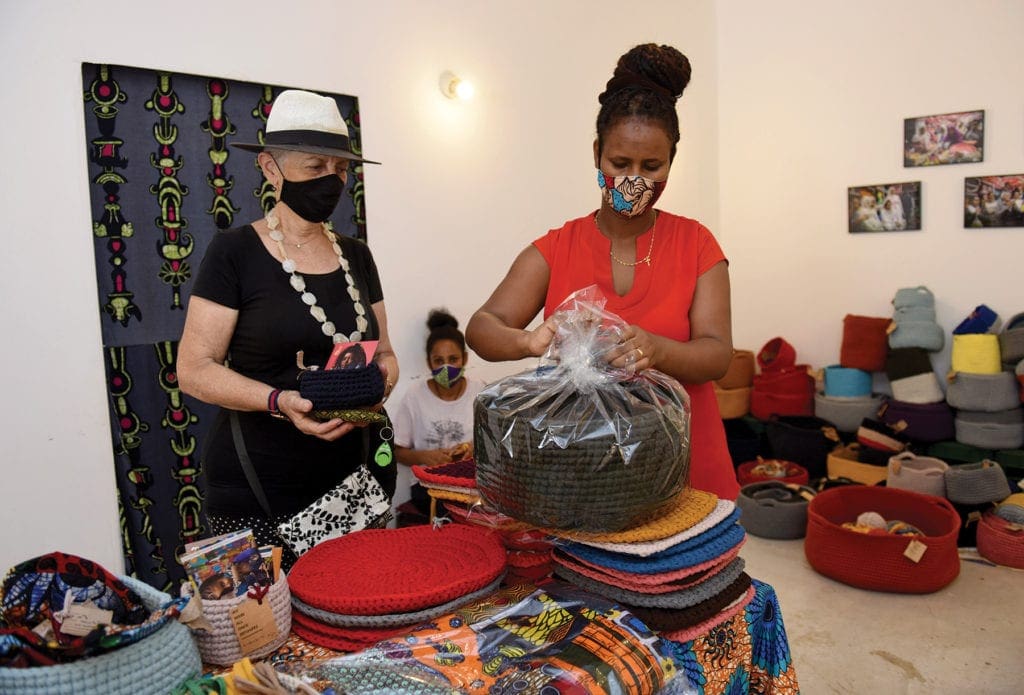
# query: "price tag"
x,y
254,624
915,550
81,618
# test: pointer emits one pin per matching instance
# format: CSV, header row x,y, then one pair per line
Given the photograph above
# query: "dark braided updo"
x,y
647,81
443,326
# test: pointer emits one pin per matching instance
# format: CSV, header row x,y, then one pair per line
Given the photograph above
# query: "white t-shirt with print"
x,y
424,421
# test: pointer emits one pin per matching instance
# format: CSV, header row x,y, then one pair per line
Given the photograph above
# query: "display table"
x,y
746,653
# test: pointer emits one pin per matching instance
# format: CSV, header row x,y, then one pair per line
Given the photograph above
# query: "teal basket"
x,y
156,664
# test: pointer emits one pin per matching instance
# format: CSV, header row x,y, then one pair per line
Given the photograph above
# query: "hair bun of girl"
x,y
661,69
440,318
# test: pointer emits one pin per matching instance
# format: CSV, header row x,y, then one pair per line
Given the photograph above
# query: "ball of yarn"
x,y
871,520
902,528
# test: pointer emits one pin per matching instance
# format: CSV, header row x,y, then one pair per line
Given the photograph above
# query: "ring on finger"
x,y
640,354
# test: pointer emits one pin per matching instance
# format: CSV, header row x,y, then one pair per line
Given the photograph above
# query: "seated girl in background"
x,y
434,422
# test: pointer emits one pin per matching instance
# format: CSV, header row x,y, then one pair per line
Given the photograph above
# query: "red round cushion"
x,y
384,571
879,562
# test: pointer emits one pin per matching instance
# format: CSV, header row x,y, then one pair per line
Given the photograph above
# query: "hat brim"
x,y
311,149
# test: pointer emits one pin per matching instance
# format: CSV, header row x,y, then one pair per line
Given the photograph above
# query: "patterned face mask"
x,y
447,375
629,196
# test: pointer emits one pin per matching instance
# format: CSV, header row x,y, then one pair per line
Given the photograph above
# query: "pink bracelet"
x,y
272,406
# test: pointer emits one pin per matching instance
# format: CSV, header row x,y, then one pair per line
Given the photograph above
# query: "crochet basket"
x,y
747,473
333,390
983,392
919,422
1001,541
844,462
1001,430
806,440
735,402
976,353
846,413
772,509
846,382
881,562
925,475
1011,340
977,483
535,464
865,342
158,663
220,646
741,371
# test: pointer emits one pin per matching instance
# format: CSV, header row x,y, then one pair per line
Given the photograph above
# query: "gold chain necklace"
x,y
646,259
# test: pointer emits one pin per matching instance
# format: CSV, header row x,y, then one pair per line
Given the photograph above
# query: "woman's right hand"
x,y
538,340
434,457
297,409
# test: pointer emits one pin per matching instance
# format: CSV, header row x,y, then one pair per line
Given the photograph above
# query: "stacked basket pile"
x,y
353,591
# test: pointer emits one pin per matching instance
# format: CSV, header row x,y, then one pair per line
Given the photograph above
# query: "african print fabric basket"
x,y
578,443
221,646
157,663
916,564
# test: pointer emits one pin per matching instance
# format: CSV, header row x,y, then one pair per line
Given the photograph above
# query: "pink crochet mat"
x,y
647,583
381,571
457,473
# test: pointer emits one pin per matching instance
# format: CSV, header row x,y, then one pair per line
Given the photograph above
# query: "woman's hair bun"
x,y
663,69
440,318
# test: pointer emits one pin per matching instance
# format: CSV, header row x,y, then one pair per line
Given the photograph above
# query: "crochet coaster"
x,y
347,639
723,510
675,619
642,582
455,489
688,508
367,572
665,561
727,613
393,619
457,473
676,599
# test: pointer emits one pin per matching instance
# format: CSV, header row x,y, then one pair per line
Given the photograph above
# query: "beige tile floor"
x,y
967,638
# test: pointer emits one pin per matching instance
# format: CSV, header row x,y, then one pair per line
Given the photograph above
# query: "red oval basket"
x,y
1000,541
878,562
797,474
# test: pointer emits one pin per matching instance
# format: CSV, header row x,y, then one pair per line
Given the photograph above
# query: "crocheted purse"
x,y
333,390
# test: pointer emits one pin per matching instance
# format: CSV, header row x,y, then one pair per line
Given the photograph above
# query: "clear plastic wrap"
x,y
518,640
577,443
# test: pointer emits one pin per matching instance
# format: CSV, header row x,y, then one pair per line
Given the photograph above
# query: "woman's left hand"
x,y
636,350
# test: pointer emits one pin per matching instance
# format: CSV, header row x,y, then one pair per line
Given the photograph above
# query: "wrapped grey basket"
x,y
772,509
846,413
987,393
1011,340
977,483
924,474
1000,430
544,465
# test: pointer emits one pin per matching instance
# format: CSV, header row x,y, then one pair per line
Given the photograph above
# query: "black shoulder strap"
x,y
250,472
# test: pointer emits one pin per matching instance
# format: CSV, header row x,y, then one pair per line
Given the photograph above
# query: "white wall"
x,y
812,101
463,188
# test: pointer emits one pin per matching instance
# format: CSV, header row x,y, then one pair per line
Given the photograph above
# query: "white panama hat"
x,y
306,122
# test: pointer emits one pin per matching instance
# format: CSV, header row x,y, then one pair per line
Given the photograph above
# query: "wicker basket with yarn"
x,y
220,646
158,663
540,465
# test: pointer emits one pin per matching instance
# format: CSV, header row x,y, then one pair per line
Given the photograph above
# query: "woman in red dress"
x,y
663,274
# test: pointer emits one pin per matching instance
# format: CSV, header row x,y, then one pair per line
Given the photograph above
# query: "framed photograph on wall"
x,y
946,138
887,207
994,201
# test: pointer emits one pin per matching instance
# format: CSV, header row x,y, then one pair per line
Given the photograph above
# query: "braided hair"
x,y
443,326
647,81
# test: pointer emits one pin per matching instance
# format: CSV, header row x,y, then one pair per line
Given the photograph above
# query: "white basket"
x,y
220,645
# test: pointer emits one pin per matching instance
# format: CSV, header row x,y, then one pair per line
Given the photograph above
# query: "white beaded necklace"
x,y
299,283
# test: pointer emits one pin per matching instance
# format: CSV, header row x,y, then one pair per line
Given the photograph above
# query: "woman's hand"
x,y
297,409
636,350
536,342
434,457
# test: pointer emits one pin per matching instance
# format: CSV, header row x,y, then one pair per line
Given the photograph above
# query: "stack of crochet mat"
x,y
353,591
681,574
529,553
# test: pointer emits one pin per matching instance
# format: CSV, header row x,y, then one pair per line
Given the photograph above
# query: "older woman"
x,y
266,291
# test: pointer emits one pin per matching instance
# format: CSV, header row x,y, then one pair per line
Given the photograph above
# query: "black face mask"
x,y
313,200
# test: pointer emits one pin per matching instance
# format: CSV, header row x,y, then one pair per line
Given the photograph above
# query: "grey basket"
x,y
924,474
987,393
534,467
846,413
1000,430
772,509
977,483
